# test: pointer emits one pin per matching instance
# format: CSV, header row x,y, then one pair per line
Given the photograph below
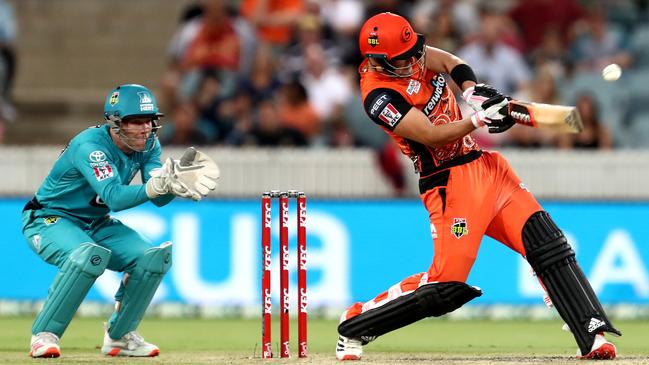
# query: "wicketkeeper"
x,y
468,193
67,222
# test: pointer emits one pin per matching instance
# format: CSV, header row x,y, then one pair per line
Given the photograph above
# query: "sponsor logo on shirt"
x,y
103,172
438,83
97,156
459,227
413,87
390,115
377,104
97,159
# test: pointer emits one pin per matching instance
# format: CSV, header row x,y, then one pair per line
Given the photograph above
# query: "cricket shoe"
x,y
131,344
601,350
45,344
351,348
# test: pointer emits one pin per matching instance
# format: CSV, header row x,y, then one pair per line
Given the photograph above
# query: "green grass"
x,y
236,341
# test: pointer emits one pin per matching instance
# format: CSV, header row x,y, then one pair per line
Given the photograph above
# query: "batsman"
x,y
67,223
467,192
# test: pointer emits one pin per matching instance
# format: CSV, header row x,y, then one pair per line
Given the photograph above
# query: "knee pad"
x,y
142,284
554,262
71,285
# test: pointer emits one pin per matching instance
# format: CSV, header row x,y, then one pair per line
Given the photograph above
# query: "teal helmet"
x,y
131,100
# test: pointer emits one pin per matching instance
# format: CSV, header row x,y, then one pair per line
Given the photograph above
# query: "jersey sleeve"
x,y
386,107
98,167
153,162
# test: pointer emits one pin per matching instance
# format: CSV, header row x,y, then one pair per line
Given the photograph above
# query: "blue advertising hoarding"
x,y
356,249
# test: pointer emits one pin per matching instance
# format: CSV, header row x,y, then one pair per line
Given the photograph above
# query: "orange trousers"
x,y
481,197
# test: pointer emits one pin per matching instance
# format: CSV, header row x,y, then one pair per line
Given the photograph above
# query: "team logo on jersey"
x,y
50,220
390,115
406,33
373,39
459,227
114,98
146,102
103,172
413,87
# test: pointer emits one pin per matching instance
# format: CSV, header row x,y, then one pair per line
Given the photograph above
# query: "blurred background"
x,y
269,88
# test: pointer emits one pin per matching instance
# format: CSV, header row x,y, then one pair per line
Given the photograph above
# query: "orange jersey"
x,y
388,99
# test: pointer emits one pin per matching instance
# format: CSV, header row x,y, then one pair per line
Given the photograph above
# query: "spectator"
x,y
7,64
595,134
269,131
273,20
310,32
443,32
183,128
210,43
459,12
535,18
262,82
327,88
599,45
493,61
296,112
543,90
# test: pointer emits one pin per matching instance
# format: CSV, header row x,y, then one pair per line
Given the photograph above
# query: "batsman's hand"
x,y
193,176
477,95
494,115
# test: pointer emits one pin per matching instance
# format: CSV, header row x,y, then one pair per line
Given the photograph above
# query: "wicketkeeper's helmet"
x,y
130,100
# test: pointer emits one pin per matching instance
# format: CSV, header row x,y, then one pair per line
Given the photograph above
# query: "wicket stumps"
x,y
266,216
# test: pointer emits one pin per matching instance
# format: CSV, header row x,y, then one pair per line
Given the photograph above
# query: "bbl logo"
x,y
114,98
459,227
373,39
50,220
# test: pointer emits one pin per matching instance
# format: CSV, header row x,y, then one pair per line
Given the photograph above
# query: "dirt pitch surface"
x,y
79,358
236,341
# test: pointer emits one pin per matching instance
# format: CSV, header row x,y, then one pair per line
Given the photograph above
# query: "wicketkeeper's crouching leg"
x,y
554,262
404,303
136,293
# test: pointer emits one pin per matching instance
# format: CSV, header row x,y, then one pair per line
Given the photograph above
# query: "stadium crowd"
x,y
269,73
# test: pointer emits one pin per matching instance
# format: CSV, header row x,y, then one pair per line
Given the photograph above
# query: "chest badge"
x,y
413,87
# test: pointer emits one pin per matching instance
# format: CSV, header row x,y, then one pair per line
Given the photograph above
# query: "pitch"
x,y
237,341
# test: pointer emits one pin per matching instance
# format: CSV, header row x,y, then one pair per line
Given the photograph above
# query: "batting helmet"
x,y
387,37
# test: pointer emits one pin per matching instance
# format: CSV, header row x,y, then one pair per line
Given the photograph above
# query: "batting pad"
x,y
139,289
433,299
70,287
554,262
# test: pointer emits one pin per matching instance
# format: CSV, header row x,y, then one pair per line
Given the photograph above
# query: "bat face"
x,y
547,116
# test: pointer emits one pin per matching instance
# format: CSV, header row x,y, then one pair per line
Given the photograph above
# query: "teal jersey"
x,y
91,177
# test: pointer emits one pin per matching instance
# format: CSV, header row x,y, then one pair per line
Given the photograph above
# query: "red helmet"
x,y
386,37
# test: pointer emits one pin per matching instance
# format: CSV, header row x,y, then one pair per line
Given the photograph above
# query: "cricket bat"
x,y
559,118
